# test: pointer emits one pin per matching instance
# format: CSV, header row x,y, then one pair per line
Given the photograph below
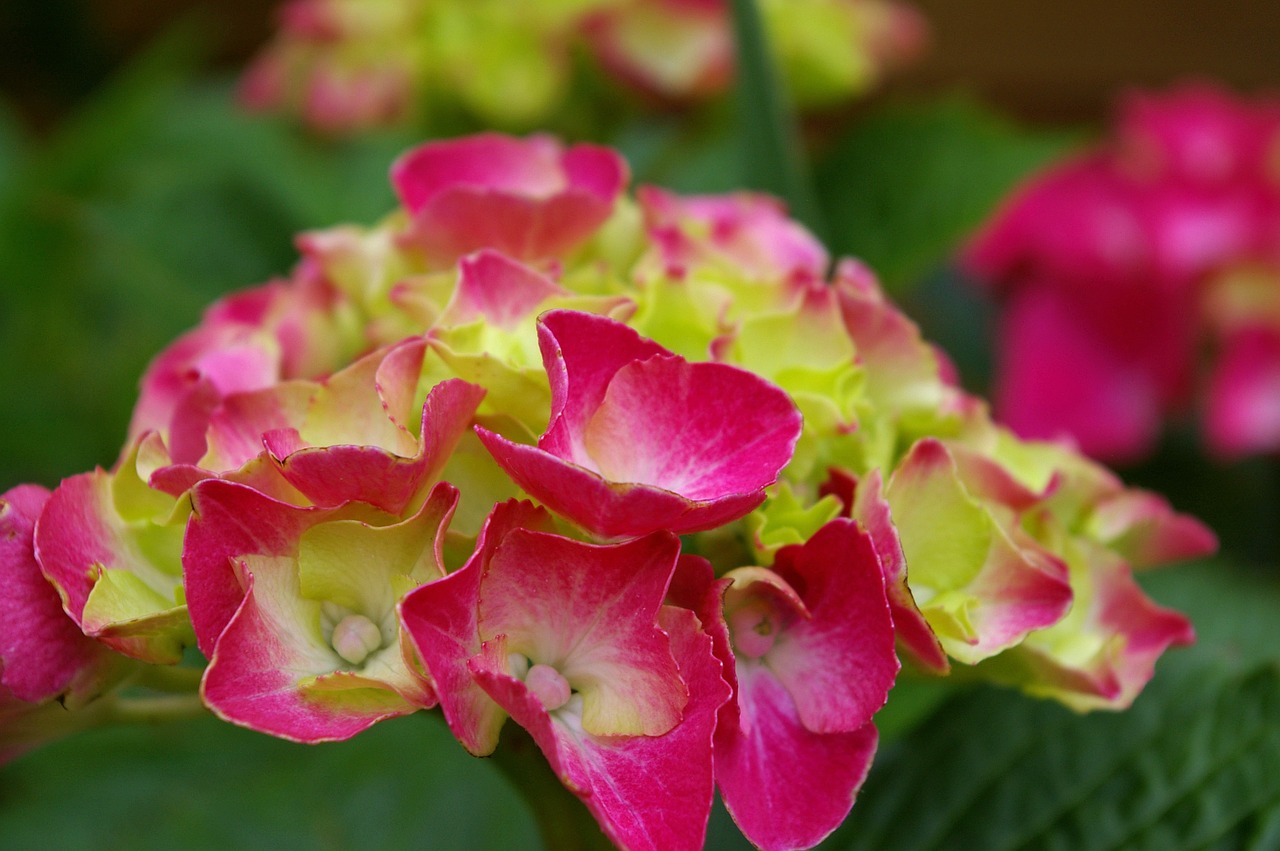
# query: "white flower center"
x,y
355,637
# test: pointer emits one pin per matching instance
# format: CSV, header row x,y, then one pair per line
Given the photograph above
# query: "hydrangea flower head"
x,y
681,512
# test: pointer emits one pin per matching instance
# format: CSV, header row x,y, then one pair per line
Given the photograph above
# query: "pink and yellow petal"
x,y
785,785
43,654
111,525
590,612
980,589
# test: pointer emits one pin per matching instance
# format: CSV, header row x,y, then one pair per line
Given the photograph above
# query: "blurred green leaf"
x,y
12,151
204,784
155,198
907,183
1191,765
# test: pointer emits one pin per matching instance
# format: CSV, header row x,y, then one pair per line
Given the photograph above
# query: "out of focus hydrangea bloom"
x,y
346,64
1140,281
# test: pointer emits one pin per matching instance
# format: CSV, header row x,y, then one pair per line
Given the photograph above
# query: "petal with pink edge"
x,y
980,588
915,635
313,653
589,611
441,620
1145,530
529,198
785,785
336,474
261,690
1104,651
646,792
111,546
227,521
43,654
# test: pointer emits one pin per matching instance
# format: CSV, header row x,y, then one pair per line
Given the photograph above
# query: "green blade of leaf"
x,y
772,158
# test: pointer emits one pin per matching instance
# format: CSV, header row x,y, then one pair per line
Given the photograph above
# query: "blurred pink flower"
x,y
1108,267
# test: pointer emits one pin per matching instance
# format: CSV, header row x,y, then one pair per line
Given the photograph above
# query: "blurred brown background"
x,y
1041,60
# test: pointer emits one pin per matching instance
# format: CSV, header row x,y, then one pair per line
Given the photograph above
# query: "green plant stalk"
x,y
772,155
564,822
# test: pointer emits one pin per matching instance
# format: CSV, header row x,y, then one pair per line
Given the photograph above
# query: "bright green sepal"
x,y
127,610
355,565
680,315
350,692
508,366
785,520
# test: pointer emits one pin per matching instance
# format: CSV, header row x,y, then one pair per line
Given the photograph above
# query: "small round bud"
x,y
549,686
355,637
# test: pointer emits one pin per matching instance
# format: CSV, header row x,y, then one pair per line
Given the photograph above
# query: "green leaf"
x,y
1191,765
158,196
909,182
204,784
12,151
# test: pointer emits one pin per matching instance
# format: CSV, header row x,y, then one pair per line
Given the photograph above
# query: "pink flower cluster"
x,y
347,64
630,474
1119,268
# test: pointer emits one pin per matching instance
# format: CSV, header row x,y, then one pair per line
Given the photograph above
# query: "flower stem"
x,y
152,710
170,679
564,823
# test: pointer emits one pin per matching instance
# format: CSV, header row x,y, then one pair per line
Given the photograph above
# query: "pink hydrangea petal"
x,y
582,353
253,675
42,652
719,434
1145,530
646,792
590,612
184,384
229,520
1056,378
785,785
527,198
700,430
748,232
611,511
839,663
694,586
333,475
869,508
1243,404
902,370
236,428
498,290
441,620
